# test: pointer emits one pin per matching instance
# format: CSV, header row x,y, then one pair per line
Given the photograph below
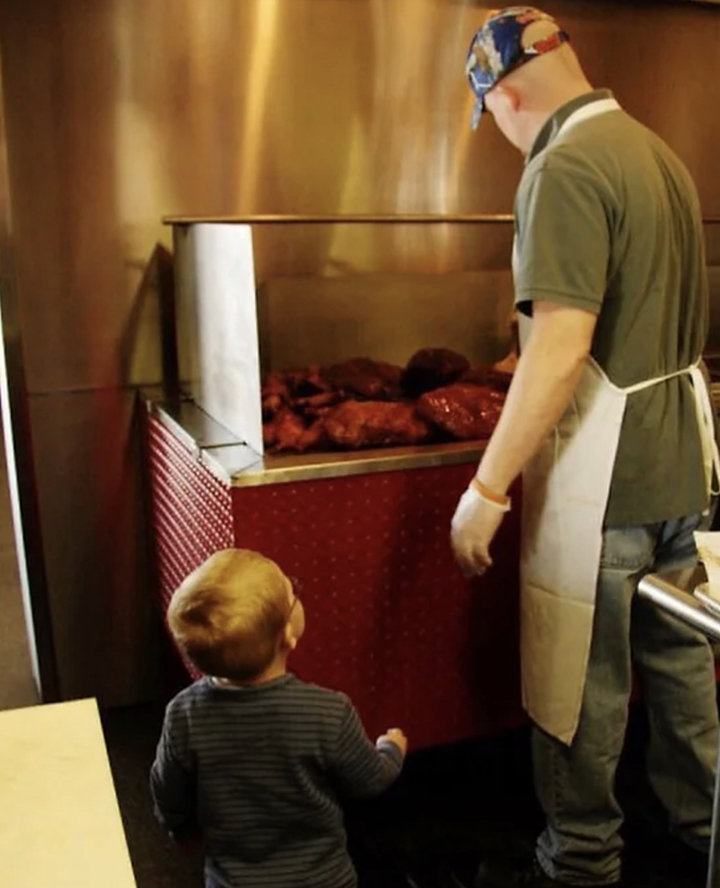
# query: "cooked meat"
x,y
306,382
274,394
284,432
463,410
355,424
269,430
315,405
271,404
293,388
275,383
315,437
287,433
358,403
363,377
431,368
489,376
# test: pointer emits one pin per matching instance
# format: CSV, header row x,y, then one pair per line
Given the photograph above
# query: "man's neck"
x,y
542,116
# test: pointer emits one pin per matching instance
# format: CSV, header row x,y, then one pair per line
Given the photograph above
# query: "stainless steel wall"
x,y
119,112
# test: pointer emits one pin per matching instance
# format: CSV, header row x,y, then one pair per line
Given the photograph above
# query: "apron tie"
x,y
705,417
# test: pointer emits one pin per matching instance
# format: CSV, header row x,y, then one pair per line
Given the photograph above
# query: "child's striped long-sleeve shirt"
x,y
260,771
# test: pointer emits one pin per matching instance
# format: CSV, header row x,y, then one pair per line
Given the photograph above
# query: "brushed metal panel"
x,y
61,80
19,463
387,317
713,343
712,243
106,632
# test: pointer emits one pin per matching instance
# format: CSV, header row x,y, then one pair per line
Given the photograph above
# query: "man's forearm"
x,y
548,371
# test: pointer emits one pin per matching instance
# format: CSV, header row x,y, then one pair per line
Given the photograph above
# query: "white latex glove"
x,y
472,529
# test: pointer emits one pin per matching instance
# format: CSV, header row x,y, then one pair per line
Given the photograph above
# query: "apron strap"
x,y
705,417
649,383
706,421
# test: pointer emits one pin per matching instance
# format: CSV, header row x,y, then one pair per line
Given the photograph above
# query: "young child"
x,y
254,758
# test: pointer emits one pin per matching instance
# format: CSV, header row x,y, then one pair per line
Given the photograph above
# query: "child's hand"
x,y
396,736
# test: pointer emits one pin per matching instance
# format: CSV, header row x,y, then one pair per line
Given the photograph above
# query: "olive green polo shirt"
x,y
608,220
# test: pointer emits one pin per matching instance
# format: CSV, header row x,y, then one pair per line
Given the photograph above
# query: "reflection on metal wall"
x,y
123,111
19,463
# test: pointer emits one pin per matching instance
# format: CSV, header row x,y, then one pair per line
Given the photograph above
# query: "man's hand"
x,y
472,529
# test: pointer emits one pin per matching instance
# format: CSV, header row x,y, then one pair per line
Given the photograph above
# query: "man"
x,y
609,422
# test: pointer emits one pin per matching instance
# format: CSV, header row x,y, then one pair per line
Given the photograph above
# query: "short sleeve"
x,y
562,245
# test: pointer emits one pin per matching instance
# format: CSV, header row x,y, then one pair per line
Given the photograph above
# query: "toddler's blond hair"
x,y
228,614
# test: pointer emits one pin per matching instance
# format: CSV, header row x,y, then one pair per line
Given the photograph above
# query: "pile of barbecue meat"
x,y
437,397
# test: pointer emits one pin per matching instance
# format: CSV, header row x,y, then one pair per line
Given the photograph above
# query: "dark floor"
x,y
450,807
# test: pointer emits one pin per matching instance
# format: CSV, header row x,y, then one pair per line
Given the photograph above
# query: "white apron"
x,y
565,494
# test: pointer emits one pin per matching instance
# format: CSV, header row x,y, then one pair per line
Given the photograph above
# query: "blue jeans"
x,y
576,784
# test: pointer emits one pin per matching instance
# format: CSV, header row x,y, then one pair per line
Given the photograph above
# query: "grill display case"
x,y
391,621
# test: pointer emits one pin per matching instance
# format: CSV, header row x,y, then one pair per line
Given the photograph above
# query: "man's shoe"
x,y
492,875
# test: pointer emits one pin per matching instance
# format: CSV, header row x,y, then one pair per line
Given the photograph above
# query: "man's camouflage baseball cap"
x,y
506,41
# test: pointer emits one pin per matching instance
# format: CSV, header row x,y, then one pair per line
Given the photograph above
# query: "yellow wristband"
x,y
499,499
